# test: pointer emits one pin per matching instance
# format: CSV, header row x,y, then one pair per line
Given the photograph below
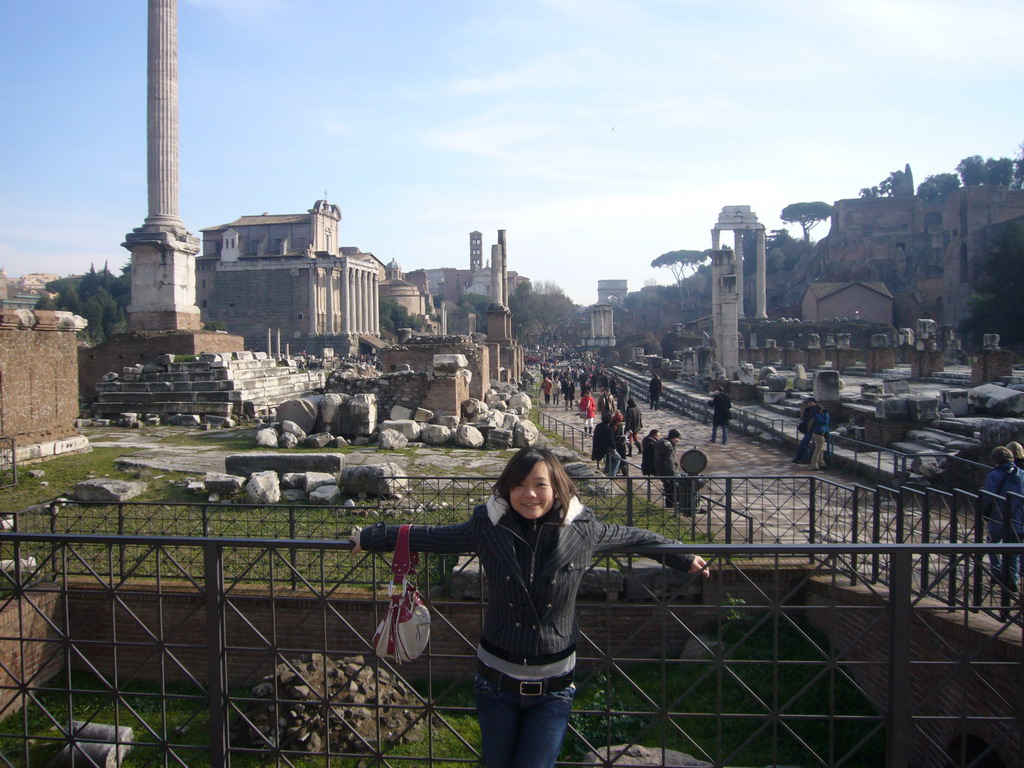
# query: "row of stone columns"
x,y
602,323
740,219
347,300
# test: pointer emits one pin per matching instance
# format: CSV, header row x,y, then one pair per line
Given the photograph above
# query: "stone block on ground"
x,y
449,364
499,439
289,427
293,480
896,387
314,480
468,436
374,479
266,438
520,400
996,400
325,494
391,440
317,440
218,482
526,434
627,755
302,411
422,414
407,427
263,488
247,463
293,494
472,408
108,489
185,420
329,412
400,413
435,434
287,440
452,422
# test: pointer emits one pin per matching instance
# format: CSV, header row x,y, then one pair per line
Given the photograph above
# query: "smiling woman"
x,y
535,541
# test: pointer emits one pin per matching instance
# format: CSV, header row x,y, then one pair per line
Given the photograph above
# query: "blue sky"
x,y
598,133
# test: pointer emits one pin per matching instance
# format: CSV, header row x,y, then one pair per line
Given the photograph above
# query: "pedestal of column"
x,y
878,359
814,357
845,359
163,281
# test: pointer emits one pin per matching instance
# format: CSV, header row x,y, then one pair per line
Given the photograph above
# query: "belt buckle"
x,y
531,687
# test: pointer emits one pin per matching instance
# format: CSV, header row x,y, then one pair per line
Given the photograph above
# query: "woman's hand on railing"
x,y
700,566
354,538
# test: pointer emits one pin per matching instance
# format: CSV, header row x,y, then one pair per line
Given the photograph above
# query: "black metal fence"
x,y
788,654
8,463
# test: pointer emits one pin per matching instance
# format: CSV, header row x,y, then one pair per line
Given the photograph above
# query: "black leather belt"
x,y
524,687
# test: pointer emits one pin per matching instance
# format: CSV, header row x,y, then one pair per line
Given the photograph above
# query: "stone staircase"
x,y
239,385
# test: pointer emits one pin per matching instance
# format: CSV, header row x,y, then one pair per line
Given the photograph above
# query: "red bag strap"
x,y
404,560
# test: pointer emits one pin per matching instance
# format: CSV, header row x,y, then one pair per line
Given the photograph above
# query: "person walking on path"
x,y
1004,520
647,447
803,451
589,409
569,392
530,537
545,387
623,395
604,446
819,430
722,406
665,464
634,423
654,388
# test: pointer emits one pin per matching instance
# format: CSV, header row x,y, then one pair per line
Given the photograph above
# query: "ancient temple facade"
x,y
287,273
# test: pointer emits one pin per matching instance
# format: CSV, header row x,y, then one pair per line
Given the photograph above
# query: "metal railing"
x,y
8,463
787,655
730,510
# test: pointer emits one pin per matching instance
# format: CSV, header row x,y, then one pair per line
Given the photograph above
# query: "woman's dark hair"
x,y
653,432
522,464
606,417
630,403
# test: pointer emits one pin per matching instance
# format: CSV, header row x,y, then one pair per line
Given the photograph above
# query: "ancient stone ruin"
x,y
316,702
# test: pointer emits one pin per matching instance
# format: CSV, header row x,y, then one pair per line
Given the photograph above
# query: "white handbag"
x,y
404,631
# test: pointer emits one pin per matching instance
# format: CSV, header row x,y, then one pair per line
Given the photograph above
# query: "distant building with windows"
x,y
287,273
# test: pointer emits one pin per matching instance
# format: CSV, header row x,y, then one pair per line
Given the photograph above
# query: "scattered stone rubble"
x,y
335,420
316,702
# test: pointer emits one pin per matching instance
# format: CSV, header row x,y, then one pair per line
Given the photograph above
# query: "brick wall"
x,y
29,646
38,376
419,354
144,347
940,690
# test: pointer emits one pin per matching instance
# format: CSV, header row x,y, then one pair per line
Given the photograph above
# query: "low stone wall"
x,y
30,648
38,376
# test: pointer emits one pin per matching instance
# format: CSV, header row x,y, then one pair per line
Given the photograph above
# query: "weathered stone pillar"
x,y
330,302
791,355
311,325
760,289
725,310
376,305
992,362
163,251
504,267
738,242
716,239
346,299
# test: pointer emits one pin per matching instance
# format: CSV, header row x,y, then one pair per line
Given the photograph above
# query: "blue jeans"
x,y
725,432
803,451
1013,561
521,731
612,462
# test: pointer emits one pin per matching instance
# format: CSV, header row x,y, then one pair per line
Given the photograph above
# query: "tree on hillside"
x,y
541,312
996,305
394,316
938,187
99,296
1018,169
682,264
807,215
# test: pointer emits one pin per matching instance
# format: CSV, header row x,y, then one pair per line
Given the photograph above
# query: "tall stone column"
x,y
357,302
363,312
163,251
738,250
504,267
346,301
762,277
725,310
716,239
496,274
329,326
375,325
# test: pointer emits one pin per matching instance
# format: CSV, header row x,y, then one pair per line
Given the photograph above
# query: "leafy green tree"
x,y
1018,169
99,296
938,187
682,264
996,306
394,316
971,170
870,192
999,171
807,215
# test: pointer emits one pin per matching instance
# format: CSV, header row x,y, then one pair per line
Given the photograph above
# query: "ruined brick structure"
x,y
418,353
39,382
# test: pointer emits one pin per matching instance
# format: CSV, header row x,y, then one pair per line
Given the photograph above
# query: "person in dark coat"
x,y
604,446
803,451
1004,520
647,446
532,537
654,387
634,423
665,464
722,412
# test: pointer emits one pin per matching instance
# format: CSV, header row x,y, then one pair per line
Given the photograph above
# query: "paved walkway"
x,y
741,456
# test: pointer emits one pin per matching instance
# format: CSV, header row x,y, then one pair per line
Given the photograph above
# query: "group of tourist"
x,y
814,425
